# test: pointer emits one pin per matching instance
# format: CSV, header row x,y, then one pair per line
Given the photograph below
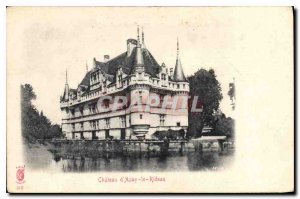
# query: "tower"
x,y
139,60
66,91
178,75
143,39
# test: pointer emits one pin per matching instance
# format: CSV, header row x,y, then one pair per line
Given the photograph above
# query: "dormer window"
x,y
120,80
163,79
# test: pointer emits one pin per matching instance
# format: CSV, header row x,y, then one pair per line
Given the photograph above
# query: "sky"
x,y
47,41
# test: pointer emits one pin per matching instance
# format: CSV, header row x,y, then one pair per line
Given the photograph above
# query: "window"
x,y
123,134
120,80
107,122
123,121
94,124
161,98
92,109
72,112
95,108
162,120
163,79
73,127
178,86
178,123
106,134
81,126
141,116
81,111
106,103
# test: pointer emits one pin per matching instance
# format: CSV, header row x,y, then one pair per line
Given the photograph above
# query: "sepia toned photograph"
x,y
130,113
143,99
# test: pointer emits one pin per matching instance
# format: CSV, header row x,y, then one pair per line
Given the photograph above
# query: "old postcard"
x,y
150,99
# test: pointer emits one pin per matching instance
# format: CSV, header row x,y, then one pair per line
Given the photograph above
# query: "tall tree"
x,y
35,125
27,95
205,85
224,126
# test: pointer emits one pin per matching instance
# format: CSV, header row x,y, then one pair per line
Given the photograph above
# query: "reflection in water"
x,y
173,162
39,158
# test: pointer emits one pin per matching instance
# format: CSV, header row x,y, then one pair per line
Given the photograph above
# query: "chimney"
x,y
106,58
171,71
131,44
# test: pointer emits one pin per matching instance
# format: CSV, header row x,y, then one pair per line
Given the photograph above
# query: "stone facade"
x,y
95,110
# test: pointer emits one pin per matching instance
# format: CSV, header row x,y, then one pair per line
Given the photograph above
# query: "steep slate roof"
x,y
66,93
110,67
73,90
86,79
127,63
178,72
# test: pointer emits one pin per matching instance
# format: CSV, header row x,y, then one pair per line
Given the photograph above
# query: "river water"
x,y
40,159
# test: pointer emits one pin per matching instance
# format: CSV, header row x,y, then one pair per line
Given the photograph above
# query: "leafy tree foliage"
x,y
205,85
170,134
34,124
224,126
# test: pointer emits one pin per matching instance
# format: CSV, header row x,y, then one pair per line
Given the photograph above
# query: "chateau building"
x,y
96,108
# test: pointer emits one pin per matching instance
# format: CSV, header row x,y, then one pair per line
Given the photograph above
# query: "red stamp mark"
x,y
20,174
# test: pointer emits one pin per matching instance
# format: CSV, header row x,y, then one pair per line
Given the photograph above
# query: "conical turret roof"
x,y
66,91
178,75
